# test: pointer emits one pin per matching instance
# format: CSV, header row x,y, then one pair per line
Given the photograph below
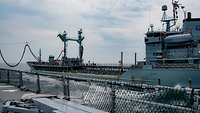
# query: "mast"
x,y
64,38
165,18
40,57
80,39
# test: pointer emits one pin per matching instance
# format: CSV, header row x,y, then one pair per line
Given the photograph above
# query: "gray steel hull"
x,y
168,77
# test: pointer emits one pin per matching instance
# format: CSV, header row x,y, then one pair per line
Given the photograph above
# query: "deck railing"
x,y
109,96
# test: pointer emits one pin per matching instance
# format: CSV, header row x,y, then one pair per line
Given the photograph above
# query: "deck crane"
x,y
64,38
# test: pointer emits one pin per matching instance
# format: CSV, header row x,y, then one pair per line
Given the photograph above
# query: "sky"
x,y
109,27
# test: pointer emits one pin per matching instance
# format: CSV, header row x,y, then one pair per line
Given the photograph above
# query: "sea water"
x,y
21,67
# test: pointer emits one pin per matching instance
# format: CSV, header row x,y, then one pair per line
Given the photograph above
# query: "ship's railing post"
x,y
0,74
8,77
38,83
113,97
20,79
68,94
64,87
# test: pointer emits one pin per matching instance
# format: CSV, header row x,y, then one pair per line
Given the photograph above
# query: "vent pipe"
x,y
189,15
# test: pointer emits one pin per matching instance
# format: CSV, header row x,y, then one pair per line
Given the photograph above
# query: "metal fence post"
x,y
0,74
8,76
113,97
68,94
64,87
38,84
20,79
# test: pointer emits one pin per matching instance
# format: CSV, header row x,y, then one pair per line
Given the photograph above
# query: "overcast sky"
x,y
109,27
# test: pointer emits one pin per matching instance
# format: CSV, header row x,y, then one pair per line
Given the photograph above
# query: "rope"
x,y
19,60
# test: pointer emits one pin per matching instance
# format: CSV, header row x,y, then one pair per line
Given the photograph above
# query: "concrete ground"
x,y
10,92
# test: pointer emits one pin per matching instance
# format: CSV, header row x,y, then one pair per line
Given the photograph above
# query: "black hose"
x,y
19,60
32,53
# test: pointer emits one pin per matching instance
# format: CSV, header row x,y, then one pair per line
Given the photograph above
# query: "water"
x,y
21,66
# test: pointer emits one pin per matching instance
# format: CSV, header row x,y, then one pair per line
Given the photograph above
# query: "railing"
x,y
109,96
109,64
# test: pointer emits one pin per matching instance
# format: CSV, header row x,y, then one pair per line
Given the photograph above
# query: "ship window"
x,y
156,45
172,53
179,53
153,54
146,40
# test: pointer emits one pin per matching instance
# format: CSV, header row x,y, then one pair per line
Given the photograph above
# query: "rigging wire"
x,y
59,45
89,53
23,42
59,55
19,60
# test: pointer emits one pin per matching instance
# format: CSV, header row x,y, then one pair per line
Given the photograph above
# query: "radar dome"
x,y
164,7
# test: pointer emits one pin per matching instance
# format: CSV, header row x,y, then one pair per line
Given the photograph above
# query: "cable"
x,y
89,53
59,55
19,60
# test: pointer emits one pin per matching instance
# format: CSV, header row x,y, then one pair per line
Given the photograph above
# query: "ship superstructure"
x,y
172,56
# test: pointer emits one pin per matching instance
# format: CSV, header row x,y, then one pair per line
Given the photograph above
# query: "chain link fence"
x,y
105,95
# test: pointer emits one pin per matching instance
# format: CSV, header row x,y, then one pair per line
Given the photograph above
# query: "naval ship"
x,y
172,56
75,65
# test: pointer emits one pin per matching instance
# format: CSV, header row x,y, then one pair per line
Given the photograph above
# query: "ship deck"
x,y
9,92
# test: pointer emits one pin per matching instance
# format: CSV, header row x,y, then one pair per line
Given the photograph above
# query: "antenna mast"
x,y
166,18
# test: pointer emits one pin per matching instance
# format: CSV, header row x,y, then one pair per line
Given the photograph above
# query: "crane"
x,y
64,38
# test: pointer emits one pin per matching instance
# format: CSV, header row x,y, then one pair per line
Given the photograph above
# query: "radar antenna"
x,y
166,18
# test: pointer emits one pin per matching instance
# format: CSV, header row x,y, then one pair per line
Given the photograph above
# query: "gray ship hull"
x,y
168,77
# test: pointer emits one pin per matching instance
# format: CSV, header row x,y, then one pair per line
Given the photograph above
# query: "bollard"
x,y
8,76
38,84
159,82
20,79
190,83
113,98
